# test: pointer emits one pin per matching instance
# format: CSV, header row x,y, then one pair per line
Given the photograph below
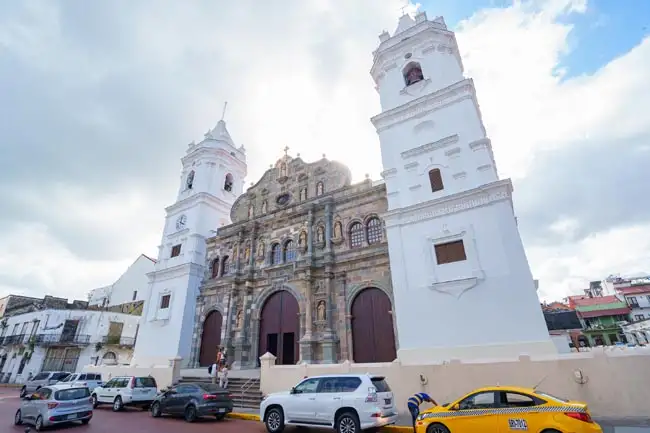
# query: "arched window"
x,y
189,182
289,252
227,185
215,268
435,179
374,230
356,235
225,266
319,189
276,254
413,73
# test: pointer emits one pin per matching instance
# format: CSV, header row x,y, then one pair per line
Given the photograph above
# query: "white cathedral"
x,y
474,298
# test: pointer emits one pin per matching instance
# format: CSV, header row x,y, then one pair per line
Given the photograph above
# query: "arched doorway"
x,y
280,328
109,358
373,338
210,339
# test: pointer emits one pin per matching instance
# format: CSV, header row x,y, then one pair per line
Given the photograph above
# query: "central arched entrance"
x,y
210,339
373,338
280,328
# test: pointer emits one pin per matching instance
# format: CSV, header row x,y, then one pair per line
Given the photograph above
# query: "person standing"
x,y
223,377
214,368
414,405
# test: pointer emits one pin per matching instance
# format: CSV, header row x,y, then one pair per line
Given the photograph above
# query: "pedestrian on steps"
x,y
414,405
214,368
223,377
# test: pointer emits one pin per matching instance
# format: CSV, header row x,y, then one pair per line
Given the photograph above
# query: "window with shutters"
x,y
176,250
164,301
450,252
435,179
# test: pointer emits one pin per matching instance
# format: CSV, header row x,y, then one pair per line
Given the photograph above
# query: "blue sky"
x,y
608,29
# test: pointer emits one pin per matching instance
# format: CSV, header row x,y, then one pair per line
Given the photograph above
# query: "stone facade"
x,y
292,231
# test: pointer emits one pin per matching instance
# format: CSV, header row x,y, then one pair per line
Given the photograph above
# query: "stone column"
x,y
306,340
197,334
329,337
237,261
340,297
251,258
328,226
310,233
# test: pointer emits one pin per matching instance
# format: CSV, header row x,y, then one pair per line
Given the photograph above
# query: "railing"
x,y
245,387
118,341
61,339
14,339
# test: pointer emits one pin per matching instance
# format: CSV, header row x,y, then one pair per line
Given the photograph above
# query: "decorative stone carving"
x,y
320,234
260,249
247,251
251,211
239,323
302,240
338,232
320,312
264,206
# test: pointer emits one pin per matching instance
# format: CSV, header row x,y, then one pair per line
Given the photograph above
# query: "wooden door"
x,y
373,338
210,339
280,328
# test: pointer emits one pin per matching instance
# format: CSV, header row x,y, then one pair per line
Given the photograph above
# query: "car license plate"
x,y
387,400
222,410
72,416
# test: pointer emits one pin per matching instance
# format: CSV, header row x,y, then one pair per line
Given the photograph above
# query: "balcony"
x,y
116,340
14,339
61,339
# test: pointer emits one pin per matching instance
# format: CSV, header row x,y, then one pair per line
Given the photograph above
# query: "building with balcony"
x,y
64,340
636,293
601,317
564,326
638,332
14,304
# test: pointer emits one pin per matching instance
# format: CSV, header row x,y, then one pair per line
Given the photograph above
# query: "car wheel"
x,y
190,413
348,422
93,400
220,416
85,421
117,404
437,428
274,420
155,410
38,425
18,419
23,392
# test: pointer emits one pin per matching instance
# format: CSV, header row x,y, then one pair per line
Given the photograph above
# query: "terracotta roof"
x,y
584,301
634,290
604,312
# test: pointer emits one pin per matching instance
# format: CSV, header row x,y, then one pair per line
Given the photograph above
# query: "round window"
x,y
283,199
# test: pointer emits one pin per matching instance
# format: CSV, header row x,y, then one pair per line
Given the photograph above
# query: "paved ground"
x,y
131,420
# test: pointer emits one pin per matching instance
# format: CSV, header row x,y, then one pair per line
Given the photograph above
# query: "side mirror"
x,y
292,391
170,392
455,407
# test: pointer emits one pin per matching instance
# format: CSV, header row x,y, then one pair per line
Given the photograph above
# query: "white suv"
x,y
89,380
348,403
126,391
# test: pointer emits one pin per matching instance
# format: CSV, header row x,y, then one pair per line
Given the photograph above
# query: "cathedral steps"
x,y
245,391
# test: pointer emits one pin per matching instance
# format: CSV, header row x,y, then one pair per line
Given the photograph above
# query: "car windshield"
x,y
552,397
145,382
209,387
41,376
380,384
71,394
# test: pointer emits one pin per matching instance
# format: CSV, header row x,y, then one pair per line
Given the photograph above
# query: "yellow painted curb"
x,y
254,417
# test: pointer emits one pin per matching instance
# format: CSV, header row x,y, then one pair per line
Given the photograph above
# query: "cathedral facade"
x,y
302,272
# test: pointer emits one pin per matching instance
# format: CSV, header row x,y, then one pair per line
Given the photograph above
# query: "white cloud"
x,y
298,77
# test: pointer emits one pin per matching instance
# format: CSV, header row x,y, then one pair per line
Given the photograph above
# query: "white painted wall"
x,y
643,302
562,343
482,307
132,282
92,323
203,208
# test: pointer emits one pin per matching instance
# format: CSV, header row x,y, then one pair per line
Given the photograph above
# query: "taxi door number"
x,y
517,424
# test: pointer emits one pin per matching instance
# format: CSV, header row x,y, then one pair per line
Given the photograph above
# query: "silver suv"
x,y
52,405
41,380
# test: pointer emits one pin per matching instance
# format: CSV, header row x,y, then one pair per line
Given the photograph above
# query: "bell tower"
x,y
458,266
212,177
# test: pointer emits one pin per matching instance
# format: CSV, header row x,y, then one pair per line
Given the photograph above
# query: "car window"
x,y
512,399
339,384
121,382
72,394
482,400
41,376
45,393
97,377
109,384
307,386
209,387
81,377
60,376
380,383
552,397
186,389
145,382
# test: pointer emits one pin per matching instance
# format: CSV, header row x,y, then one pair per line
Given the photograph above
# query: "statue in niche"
x,y
264,207
319,189
302,240
303,194
338,230
240,319
320,311
320,234
251,211
260,249
247,251
283,170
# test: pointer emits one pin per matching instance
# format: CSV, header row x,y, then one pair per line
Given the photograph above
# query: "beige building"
x,y
302,272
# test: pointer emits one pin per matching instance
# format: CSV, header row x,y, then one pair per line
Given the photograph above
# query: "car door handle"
x,y
312,398
336,398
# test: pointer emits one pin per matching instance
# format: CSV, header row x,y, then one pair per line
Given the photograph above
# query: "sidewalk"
x,y
609,424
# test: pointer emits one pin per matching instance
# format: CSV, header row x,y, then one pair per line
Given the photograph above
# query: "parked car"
x,y
42,379
54,404
349,403
91,380
126,391
193,400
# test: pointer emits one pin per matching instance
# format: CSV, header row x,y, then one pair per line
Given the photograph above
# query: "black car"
x,y
193,400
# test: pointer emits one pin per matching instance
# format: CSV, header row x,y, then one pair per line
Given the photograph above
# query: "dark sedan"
x,y
193,400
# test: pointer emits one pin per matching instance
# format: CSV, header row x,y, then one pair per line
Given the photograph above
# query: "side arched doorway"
x,y
280,328
210,338
373,338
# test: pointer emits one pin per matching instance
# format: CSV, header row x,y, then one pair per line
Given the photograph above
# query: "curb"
x,y
253,417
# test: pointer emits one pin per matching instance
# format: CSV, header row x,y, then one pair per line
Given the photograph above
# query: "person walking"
x,y
223,379
214,368
414,405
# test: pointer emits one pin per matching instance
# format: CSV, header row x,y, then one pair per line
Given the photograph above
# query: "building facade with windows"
x,y
302,272
636,293
131,286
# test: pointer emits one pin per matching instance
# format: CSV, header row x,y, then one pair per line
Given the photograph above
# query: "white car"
x,y
126,391
89,380
349,403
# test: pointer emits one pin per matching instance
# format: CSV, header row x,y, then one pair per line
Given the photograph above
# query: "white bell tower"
x,y
211,180
462,285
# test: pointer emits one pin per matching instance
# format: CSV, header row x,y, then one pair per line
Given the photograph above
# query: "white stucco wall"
x,y
133,281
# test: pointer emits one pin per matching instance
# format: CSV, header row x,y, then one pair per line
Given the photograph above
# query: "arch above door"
x,y
210,338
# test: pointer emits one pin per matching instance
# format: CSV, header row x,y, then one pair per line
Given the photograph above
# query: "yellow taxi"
x,y
508,409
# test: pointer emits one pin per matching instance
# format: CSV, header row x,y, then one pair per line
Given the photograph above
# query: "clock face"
x,y
180,222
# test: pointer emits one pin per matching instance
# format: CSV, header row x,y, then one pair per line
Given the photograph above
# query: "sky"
x,y
98,101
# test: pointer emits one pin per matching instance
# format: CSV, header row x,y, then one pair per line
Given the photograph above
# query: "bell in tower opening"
x,y
228,183
413,73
